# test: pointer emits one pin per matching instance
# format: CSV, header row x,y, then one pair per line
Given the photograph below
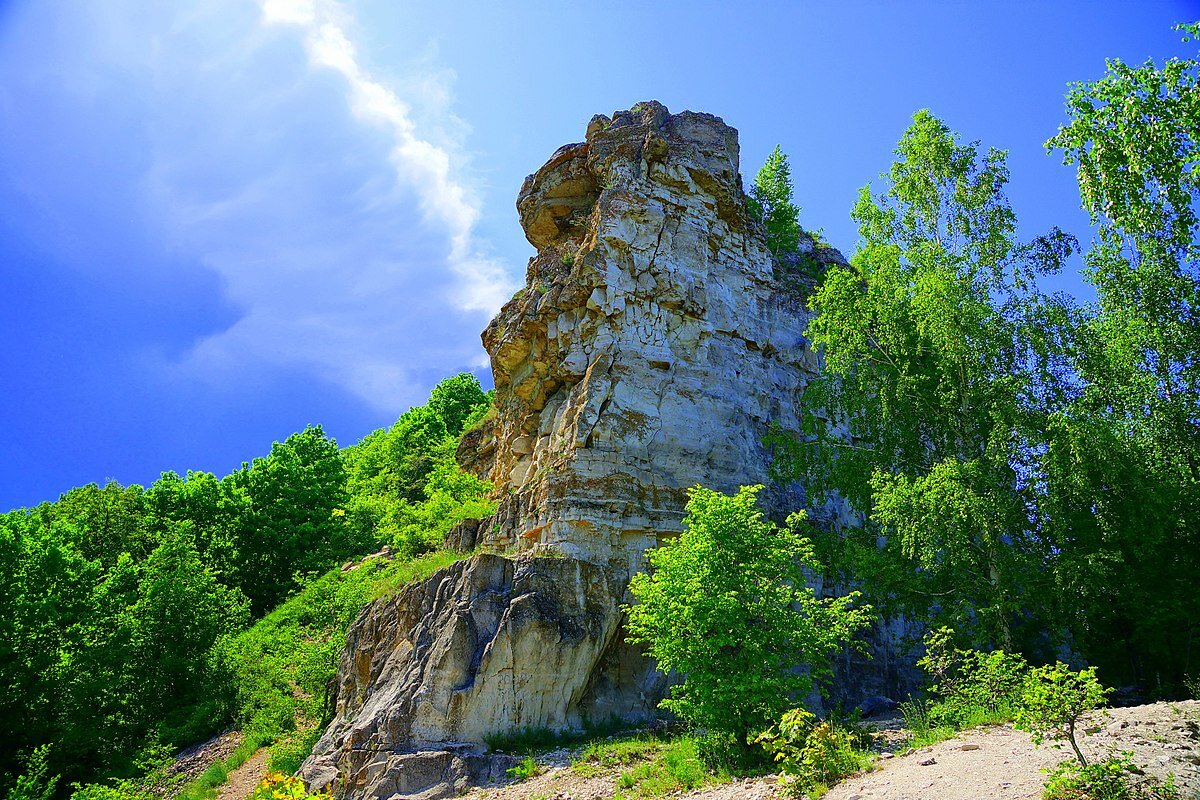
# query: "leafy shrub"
x,y
527,768
1114,778
1192,684
727,604
812,752
972,687
36,783
1053,700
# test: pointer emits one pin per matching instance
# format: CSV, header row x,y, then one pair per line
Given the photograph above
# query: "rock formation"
x,y
651,350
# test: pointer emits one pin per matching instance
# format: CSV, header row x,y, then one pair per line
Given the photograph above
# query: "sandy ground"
x,y
984,763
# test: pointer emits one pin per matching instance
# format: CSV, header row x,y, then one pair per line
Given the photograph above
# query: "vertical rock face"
x,y
651,349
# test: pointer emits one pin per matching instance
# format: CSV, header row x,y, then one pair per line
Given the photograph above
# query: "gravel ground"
x,y
995,762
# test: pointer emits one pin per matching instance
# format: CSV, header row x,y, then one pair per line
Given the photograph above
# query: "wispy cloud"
x,y
247,140
417,161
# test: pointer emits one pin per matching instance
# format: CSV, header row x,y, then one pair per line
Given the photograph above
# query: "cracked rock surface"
x,y
651,349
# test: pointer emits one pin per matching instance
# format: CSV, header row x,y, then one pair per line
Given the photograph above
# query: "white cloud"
x,y
340,232
246,139
416,161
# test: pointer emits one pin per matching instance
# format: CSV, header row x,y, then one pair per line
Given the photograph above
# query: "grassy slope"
x,y
279,668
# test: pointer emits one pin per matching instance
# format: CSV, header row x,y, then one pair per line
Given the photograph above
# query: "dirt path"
x,y
241,781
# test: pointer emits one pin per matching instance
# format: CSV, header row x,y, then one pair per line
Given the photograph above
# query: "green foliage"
x,y
525,769
294,522
1192,684
123,610
36,783
277,672
456,399
86,663
1053,700
405,485
1115,778
727,606
1123,471
770,201
972,687
288,754
812,752
934,339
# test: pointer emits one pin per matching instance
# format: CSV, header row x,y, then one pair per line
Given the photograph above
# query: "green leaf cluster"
x,y
727,605
770,201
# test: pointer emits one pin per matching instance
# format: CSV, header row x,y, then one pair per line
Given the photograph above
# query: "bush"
x,y
1192,684
972,687
1053,700
812,752
1114,778
728,606
36,783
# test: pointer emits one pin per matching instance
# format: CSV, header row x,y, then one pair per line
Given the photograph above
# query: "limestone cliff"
x,y
651,350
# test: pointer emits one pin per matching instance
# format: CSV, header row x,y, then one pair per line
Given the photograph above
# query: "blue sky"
x,y
223,220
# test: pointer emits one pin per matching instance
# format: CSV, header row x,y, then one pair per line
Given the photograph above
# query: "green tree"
x,y
214,515
727,605
770,201
455,399
1053,700
295,525
1123,469
937,347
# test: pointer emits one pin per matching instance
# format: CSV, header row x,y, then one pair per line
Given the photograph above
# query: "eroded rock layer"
x,y
651,349
487,646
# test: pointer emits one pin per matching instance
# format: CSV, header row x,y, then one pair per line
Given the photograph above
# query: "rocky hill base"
x,y
991,762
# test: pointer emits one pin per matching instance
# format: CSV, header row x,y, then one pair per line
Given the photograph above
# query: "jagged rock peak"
x,y
650,350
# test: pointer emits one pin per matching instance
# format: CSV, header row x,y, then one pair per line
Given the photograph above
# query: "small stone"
x,y
929,762
969,746
887,755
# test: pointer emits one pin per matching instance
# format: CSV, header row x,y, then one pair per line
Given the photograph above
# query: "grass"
x,y
929,724
527,768
397,575
528,741
650,766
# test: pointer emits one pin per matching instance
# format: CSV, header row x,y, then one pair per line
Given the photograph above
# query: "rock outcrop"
x,y
485,646
652,349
